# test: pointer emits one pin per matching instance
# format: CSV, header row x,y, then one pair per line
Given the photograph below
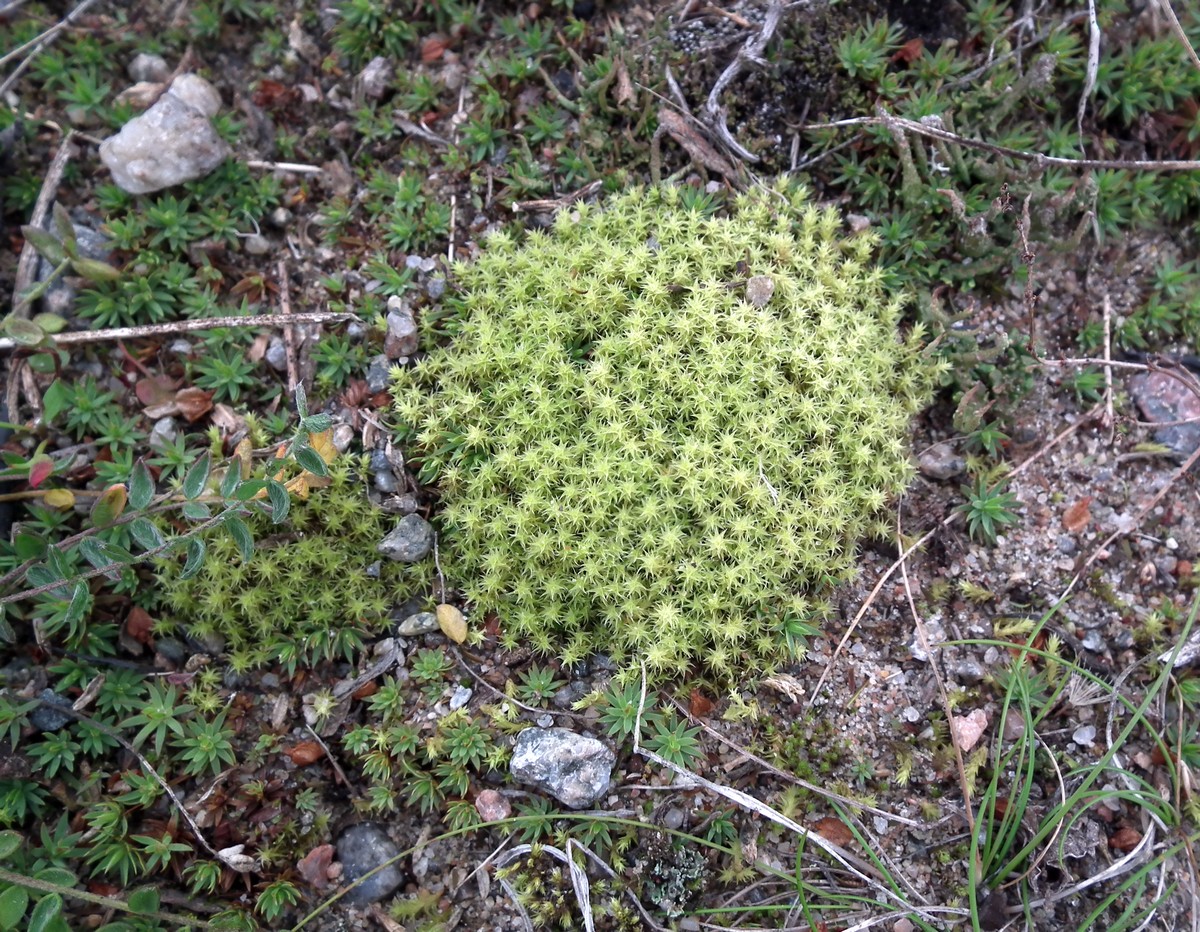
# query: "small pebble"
x,y
418,624
462,695
492,806
881,824
545,721
673,819
147,67
1084,735
257,245
280,217
435,288
1066,544
910,713
269,681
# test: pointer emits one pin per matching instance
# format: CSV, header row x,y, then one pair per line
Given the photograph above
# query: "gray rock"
x,y
966,670
401,339
1084,735
362,848
374,570
941,461
418,624
147,67
60,296
379,461
1066,544
356,331
673,819
46,716
180,347
172,650
257,245
1094,642
572,768
1163,398
269,681
164,432
404,504
435,288
170,143
460,697
375,77
412,540
386,483
280,217
378,374
276,354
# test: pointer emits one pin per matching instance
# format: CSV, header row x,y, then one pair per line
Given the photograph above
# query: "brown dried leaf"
x,y
156,390
433,47
910,51
1077,517
193,403
700,705
139,625
314,866
1125,839
305,753
625,92
696,146
834,830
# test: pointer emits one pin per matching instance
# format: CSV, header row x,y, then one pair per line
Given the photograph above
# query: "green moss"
x,y
305,595
639,459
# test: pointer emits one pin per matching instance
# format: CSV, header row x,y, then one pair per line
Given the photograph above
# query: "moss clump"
x,y
305,596
645,450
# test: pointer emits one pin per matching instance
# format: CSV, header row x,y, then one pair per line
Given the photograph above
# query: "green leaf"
x,y
280,501
249,489
311,460
95,271
101,553
58,876
55,400
195,558
81,598
241,536
146,534
144,900
196,511
10,841
29,546
141,487
197,477
47,910
231,480
301,402
45,243
50,323
315,423
109,506
64,226
22,331
13,903
40,575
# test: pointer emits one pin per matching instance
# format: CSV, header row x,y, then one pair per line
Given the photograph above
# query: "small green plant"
x,y
671,738
539,683
684,446
987,509
620,712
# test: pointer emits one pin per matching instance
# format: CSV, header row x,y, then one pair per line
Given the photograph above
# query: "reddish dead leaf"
x,y
100,888
1077,517
138,625
314,866
369,688
156,390
194,403
834,830
910,51
700,705
433,47
305,753
1125,839
271,95
39,470
229,423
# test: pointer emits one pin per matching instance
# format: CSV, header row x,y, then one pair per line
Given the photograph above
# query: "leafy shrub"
x,y
644,449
